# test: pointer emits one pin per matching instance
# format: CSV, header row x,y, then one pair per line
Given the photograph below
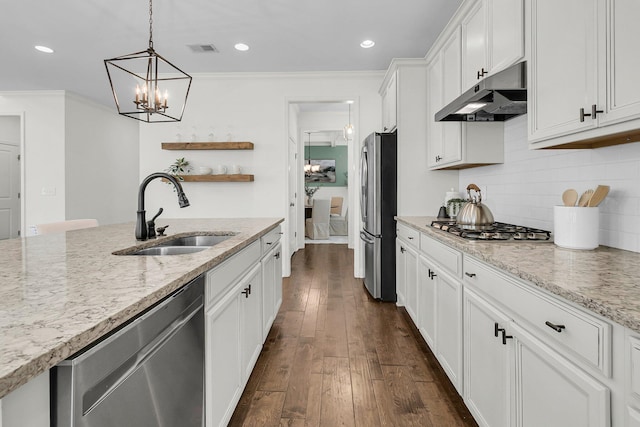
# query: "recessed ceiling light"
x,y
367,44
44,49
241,47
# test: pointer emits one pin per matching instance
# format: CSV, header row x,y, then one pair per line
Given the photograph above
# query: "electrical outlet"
x,y
48,191
483,191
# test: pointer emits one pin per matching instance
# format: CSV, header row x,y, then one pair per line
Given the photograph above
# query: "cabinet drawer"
x,y
408,234
447,257
225,274
270,239
580,334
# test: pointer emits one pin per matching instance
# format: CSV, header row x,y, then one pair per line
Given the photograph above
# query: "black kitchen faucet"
x,y
141,223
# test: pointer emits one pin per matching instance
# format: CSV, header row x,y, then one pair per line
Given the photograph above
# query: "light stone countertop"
x,y
60,292
604,280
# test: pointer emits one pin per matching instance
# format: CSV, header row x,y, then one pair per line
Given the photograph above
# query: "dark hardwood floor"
x,y
336,357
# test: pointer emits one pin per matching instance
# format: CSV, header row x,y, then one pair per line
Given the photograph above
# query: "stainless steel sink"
x,y
169,250
206,241
180,245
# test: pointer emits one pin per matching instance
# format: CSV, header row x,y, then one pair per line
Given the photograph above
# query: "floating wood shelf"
x,y
217,178
207,145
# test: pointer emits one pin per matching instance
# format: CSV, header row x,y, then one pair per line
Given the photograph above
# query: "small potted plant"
x,y
310,191
178,168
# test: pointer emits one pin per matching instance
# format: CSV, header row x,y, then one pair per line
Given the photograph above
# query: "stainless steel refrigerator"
x,y
378,200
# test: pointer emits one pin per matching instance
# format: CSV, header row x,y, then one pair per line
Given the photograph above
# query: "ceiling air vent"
x,y
203,48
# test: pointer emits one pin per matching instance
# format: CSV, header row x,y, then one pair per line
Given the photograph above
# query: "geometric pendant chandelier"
x,y
146,86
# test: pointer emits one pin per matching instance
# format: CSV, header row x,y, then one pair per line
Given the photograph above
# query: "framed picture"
x,y
320,171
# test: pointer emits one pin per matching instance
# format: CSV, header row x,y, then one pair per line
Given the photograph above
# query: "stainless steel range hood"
x,y
495,99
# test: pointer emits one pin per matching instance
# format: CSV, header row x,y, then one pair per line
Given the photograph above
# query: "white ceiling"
x,y
283,35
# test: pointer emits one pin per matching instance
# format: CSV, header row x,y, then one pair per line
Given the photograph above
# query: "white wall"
x,y
102,158
525,188
255,104
10,129
44,153
80,159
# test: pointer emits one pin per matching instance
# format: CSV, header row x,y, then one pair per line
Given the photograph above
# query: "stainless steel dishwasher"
x,y
149,373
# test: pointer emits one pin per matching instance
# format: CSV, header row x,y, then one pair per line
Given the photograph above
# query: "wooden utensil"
x,y
569,197
598,195
584,199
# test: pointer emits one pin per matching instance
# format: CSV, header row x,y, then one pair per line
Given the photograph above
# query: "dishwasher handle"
x,y
102,389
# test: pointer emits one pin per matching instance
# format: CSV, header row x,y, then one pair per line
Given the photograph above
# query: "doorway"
x,y
10,177
324,120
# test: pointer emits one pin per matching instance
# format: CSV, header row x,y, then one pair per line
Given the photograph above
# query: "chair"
x,y
336,206
317,227
339,225
56,227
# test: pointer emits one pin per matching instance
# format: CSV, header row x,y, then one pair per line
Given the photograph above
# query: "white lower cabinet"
x,y
251,320
551,391
241,294
233,327
223,369
514,379
272,287
519,356
487,367
439,315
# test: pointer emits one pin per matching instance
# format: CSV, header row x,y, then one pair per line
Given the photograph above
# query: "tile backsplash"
x,y
524,189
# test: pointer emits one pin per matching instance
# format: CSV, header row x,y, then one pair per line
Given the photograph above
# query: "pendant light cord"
x,y
151,24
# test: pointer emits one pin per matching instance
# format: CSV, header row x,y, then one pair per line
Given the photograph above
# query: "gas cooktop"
x,y
496,231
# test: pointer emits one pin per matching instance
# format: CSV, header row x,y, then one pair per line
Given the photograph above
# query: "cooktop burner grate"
x,y
495,231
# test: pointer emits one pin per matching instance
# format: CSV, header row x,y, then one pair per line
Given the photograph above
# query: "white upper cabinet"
x,y
492,38
563,69
462,47
621,94
390,104
474,45
443,86
583,91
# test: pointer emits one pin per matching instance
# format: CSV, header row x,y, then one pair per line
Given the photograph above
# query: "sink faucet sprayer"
x,y
141,223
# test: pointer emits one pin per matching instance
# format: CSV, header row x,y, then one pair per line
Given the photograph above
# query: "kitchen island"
x,y
61,292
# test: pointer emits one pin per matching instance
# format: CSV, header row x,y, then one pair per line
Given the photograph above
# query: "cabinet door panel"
x,y
426,302
506,33
449,327
411,283
563,69
622,91
544,379
451,81
487,362
251,321
474,45
400,272
268,293
434,104
223,359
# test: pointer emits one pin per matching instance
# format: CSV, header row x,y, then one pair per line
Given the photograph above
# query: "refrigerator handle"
x,y
364,178
365,238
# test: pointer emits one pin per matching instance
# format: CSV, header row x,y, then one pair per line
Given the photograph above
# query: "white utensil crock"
x,y
576,227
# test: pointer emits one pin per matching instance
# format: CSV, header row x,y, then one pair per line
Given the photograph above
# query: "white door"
x,y
9,191
294,178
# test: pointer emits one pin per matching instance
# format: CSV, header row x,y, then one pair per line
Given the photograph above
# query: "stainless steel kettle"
x,y
474,215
